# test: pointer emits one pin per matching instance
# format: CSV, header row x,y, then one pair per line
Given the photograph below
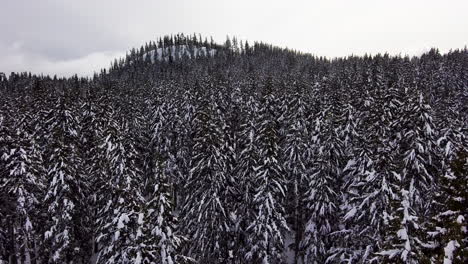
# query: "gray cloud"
x,y
15,58
69,36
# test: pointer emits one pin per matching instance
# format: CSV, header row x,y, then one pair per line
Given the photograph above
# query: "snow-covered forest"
x,y
188,151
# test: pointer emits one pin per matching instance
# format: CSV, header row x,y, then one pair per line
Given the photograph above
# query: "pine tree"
x,y
64,197
205,216
375,174
296,146
322,196
448,226
159,233
265,241
418,148
24,189
245,174
157,239
95,114
6,206
121,220
402,243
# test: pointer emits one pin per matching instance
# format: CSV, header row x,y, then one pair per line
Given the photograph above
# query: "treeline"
x,y
236,157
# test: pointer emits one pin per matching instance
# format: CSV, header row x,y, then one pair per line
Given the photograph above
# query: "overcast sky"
x,y
64,37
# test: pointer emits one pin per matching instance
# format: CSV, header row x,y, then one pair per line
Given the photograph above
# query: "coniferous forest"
x,y
189,151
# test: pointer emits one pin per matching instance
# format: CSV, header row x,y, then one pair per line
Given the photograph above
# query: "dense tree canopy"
x,y
186,151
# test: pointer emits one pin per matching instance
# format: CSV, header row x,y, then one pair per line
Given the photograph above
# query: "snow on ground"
x,y
448,250
288,253
178,52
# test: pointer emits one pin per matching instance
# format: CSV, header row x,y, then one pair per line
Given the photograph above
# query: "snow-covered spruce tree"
x,y
120,222
232,112
354,151
245,175
322,198
205,219
448,229
419,154
160,224
297,144
181,144
5,205
266,229
66,236
348,123
158,214
374,175
173,139
405,240
22,188
401,243
95,113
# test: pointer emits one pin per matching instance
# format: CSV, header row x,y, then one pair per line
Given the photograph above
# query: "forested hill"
x,y
188,151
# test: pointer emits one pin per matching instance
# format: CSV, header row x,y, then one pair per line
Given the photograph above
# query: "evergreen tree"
x,y
375,173
296,146
402,245
65,190
245,174
205,216
322,196
158,209
418,147
448,226
266,229
24,189
121,221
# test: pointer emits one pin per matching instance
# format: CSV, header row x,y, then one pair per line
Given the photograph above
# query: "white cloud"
x,y
14,58
83,66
